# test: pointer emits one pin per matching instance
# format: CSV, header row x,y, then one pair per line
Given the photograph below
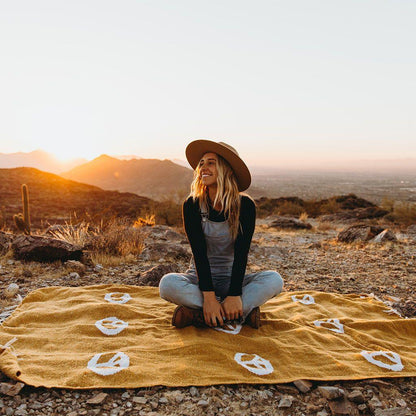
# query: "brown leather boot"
x,y
184,316
253,318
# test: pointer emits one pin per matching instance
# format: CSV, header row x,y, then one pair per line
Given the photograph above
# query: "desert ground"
x,y
306,259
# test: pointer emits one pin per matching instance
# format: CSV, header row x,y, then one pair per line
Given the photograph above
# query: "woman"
x,y
219,222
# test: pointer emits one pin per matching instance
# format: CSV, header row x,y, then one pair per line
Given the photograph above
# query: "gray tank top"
x,y
220,246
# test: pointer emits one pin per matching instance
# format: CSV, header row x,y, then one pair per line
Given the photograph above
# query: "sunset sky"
x,y
294,81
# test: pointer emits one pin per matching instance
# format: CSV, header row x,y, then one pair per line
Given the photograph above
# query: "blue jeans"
x,y
258,288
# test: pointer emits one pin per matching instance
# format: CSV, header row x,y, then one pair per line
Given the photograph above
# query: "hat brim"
x,y
196,149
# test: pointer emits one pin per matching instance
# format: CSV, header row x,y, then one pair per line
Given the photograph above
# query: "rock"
x,y
290,223
285,402
394,411
163,400
152,276
384,236
331,393
322,413
356,397
97,399
355,214
44,249
5,242
11,389
76,266
140,400
171,251
401,402
74,276
303,385
193,391
358,232
11,290
374,403
342,408
203,403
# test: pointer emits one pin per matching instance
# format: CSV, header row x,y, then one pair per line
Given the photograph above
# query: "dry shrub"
x,y
404,213
147,221
168,213
117,238
330,207
290,208
325,226
303,217
79,234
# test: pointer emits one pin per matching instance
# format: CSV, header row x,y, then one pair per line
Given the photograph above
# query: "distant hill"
x,y
154,178
37,159
54,199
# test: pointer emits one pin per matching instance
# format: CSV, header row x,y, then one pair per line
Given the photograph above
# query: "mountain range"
x,y
153,178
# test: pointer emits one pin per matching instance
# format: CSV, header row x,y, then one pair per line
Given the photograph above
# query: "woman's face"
x,y
208,169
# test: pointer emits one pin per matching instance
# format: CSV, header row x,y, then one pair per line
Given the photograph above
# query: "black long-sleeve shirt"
x,y
196,237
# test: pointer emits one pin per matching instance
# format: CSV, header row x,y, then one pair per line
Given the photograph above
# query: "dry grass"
x,y
303,217
113,239
325,226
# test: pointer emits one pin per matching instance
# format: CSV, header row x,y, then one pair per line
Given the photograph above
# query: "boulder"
x,y
359,232
384,236
157,251
152,276
290,223
44,249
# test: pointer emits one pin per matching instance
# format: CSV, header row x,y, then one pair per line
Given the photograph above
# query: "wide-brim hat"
x,y
196,149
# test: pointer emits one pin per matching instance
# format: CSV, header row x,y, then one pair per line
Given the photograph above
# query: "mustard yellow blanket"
x,y
121,336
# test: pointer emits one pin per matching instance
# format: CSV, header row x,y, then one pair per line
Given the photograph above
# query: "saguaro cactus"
x,y
22,221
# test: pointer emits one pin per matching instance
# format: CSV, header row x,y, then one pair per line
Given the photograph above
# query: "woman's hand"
x,y
233,307
212,309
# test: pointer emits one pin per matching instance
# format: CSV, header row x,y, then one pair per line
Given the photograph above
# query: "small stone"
x,y
322,413
203,403
125,395
341,407
193,391
401,402
11,389
140,400
72,414
9,411
74,276
394,411
303,385
285,402
362,407
374,403
11,290
98,267
356,396
163,400
98,399
154,404
330,392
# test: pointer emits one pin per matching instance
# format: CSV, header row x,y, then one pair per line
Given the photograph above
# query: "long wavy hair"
x,y
228,196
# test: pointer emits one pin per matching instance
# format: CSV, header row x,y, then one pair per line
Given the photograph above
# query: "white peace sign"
x,y
256,365
336,325
111,326
116,363
306,300
231,329
117,297
392,356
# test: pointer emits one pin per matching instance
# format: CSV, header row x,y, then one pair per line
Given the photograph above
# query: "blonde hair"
x,y
227,196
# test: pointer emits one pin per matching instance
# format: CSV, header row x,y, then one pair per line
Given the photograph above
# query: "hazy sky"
x,y
281,81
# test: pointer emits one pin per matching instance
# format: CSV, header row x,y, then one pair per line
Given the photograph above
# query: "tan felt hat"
x,y
196,149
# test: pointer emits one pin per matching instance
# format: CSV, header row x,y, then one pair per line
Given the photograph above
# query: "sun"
x,y
66,153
